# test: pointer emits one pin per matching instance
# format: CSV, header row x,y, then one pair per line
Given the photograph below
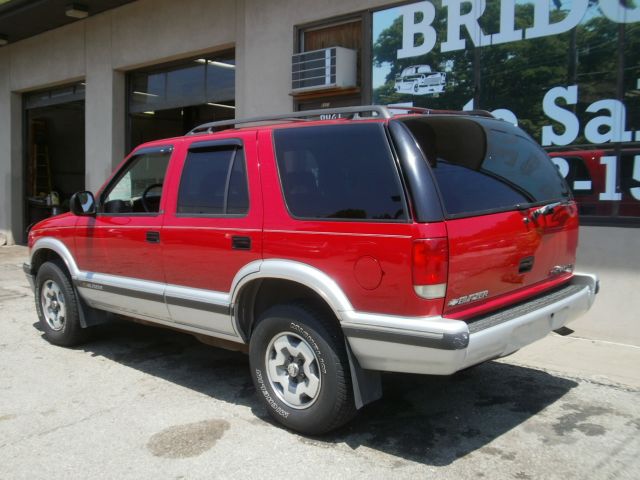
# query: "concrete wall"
x,y
102,48
99,50
5,149
269,42
614,255
11,187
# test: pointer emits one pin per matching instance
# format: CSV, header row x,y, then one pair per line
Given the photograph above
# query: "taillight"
x,y
430,267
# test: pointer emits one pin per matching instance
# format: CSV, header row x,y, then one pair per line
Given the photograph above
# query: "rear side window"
x,y
486,166
214,182
339,172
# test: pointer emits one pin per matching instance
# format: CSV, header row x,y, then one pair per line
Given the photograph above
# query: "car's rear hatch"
x,y
511,223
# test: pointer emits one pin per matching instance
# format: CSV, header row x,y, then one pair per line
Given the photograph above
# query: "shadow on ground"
x,y
427,419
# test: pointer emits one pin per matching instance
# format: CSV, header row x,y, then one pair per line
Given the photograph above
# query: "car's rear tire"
x,y
300,368
57,306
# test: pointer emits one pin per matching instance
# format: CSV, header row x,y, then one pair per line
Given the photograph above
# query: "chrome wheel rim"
x,y
293,370
53,305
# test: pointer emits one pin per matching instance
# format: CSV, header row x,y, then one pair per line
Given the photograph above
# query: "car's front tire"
x,y
300,368
57,306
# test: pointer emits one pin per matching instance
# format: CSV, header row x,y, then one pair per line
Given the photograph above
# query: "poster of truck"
x,y
420,80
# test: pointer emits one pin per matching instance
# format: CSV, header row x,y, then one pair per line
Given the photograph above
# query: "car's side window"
x,y
138,189
214,182
343,172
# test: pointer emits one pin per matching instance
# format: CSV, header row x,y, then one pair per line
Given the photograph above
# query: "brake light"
x,y
430,267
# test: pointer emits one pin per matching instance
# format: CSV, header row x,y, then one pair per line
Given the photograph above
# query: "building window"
x,y
169,100
575,90
347,33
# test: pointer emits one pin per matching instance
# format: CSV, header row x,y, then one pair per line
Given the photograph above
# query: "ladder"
x,y
40,163
41,170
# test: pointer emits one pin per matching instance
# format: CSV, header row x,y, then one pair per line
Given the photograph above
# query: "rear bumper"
x,y
440,346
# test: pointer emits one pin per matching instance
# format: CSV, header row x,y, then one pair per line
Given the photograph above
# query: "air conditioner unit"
x,y
333,67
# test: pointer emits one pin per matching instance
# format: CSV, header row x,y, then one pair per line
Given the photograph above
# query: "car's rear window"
x,y
486,166
342,172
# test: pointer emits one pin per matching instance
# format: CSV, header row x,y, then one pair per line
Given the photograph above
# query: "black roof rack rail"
x,y
431,111
378,110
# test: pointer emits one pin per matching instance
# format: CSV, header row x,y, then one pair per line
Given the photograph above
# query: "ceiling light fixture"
x,y
216,63
145,94
75,10
221,105
222,64
3,40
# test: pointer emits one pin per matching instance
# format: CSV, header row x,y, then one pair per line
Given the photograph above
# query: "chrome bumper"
x,y
440,346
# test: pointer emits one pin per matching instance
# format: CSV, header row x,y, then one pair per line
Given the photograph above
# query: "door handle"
x,y
526,264
240,243
153,236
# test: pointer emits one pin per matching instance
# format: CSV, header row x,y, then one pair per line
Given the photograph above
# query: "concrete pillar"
x,y
241,62
11,162
104,105
5,148
17,170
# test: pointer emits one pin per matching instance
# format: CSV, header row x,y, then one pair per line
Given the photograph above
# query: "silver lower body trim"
x,y
184,308
440,346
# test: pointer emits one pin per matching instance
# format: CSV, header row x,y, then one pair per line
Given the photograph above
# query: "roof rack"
x,y
429,111
378,111
328,114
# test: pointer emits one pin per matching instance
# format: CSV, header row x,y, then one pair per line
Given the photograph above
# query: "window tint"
x,y
214,182
139,188
486,166
339,171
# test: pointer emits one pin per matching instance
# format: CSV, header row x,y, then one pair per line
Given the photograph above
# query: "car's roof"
x,y
279,123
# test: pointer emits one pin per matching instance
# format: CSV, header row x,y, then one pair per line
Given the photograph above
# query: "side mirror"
x,y
83,204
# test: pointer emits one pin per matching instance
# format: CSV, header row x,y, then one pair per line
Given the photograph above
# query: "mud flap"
x,y
90,317
367,385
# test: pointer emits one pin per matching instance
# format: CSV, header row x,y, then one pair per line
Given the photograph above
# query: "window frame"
x,y
122,172
363,92
230,144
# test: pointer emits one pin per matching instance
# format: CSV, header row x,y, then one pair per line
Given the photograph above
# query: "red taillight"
x,y
430,267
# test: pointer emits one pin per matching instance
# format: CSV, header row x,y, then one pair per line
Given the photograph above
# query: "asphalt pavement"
x,y
140,402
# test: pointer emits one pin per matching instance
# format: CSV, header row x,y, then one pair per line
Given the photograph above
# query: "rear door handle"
x,y
240,243
526,264
153,236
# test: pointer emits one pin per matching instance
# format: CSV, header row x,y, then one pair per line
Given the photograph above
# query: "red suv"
x,y
328,249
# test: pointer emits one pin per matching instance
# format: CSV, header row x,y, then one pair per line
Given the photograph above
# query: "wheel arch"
x,y
265,283
46,249
51,249
282,280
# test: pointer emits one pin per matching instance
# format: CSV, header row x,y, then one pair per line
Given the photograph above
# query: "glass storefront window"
x,y
147,90
185,85
566,71
221,75
169,100
192,82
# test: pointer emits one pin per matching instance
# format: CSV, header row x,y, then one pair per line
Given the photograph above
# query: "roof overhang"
x,y
20,19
